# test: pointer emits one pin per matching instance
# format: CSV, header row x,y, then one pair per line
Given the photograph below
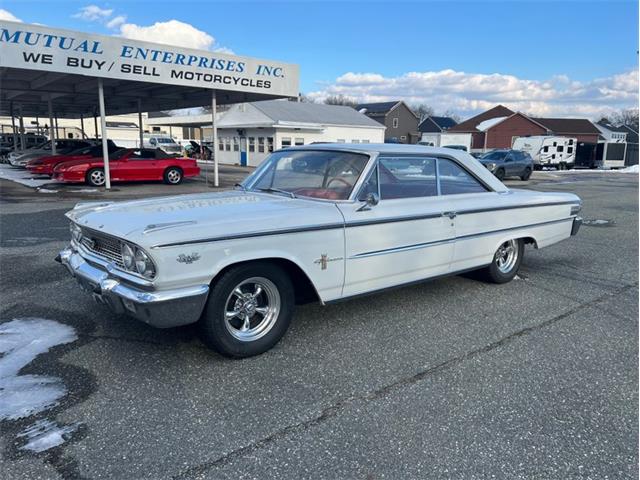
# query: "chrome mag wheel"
x,y
97,177
252,308
173,176
507,256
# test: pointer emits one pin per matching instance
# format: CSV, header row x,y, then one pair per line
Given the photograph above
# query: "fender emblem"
x,y
182,258
324,260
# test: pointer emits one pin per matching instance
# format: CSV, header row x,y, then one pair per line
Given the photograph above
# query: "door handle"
x,y
451,215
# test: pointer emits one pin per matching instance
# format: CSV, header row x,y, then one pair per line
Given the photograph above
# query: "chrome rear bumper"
x,y
163,309
577,221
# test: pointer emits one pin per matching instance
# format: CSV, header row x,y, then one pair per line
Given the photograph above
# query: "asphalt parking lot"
x,y
452,378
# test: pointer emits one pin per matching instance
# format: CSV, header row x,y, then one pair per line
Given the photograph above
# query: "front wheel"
x,y
506,262
500,174
248,311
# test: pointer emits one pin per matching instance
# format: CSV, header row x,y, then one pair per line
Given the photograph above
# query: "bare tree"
x,y
453,115
340,100
422,110
627,117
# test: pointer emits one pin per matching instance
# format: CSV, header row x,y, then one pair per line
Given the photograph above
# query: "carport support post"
x,y
13,125
84,135
103,127
140,123
52,132
214,138
21,123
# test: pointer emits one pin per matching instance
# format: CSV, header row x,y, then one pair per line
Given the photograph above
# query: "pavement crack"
x,y
333,410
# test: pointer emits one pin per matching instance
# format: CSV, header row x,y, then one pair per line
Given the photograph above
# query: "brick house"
x,y
500,126
401,122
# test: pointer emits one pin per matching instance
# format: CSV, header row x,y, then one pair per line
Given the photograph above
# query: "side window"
x,y
371,185
560,148
454,179
407,177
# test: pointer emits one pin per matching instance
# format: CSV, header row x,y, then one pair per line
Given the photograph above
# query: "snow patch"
x,y
44,434
23,177
21,341
46,190
631,169
487,124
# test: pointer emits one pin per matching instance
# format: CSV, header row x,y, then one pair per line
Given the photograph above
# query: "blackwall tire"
x,y
504,268
525,176
269,312
500,174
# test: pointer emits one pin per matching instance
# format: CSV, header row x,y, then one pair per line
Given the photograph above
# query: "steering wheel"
x,y
338,179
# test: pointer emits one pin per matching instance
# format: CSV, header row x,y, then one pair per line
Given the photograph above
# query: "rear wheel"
x,y
96,177
248,311
525,176
506,262
172,176
500,174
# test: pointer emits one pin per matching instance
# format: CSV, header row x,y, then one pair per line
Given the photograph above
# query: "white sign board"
x,y
36,47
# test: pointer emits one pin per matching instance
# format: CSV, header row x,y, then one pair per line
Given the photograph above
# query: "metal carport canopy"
x,y
39,65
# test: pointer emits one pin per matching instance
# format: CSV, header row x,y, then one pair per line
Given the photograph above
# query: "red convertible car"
x,y
45,165
128,165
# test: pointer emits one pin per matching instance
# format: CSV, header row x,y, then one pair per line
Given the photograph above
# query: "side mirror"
x,y
371,200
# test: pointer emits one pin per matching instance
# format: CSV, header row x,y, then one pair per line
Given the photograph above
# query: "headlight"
x,y
575,209
491,166
144,265
127,256
76,232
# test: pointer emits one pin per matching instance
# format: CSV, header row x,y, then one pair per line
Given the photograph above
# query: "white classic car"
x,y
320,222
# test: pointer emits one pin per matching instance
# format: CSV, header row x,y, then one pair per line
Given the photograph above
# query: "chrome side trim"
x,y
360,223
418,246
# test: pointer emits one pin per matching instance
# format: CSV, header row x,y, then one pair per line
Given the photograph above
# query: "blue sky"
x,y
528,50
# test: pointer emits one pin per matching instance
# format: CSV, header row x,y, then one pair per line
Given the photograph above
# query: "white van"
x,y
163,142
558,152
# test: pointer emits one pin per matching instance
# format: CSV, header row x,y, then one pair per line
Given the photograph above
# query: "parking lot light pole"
x,y
103,127
141,132
214,138
52,132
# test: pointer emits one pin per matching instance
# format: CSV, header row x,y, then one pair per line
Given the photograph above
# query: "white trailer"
x,y
456,139
547,151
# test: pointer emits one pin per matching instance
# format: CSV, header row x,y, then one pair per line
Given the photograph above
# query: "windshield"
x,y
329,175
495,155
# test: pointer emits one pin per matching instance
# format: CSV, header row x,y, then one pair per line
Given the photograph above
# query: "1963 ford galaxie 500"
x,y
319,222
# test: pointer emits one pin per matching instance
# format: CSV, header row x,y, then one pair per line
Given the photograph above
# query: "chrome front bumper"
x,y
162,309
577,222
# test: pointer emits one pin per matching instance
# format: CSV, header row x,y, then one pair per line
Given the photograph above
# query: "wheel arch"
x,y
304,289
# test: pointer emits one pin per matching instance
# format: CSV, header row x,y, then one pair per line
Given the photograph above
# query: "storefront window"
x,y
227,144
286,142
270,144
299,141
236,144
261,144
252,144
221,144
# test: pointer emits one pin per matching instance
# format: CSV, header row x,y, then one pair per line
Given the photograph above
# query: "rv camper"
x,y
558,152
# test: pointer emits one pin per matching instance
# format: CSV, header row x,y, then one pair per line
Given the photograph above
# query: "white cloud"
x,y
470,93
93,13
172,32
116,21
4,15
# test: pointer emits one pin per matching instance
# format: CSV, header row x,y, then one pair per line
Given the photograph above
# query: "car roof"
x,y
399,149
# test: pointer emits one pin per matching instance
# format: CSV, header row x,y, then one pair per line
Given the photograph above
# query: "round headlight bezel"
x,y
128,257
143,264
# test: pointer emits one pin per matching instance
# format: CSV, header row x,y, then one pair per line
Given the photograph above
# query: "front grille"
x,y
103,246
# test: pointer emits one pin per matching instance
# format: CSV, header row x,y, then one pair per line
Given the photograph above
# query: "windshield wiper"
x,y
239,185
276,190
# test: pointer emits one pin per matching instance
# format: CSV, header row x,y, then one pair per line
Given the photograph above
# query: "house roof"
x,y
632,135
569,125
319,113
379,107
436,124
470,125
611,127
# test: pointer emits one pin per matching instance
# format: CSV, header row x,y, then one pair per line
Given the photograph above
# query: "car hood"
x,y
184,218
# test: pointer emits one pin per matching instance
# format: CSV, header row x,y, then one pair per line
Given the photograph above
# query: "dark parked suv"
x,y
508,163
